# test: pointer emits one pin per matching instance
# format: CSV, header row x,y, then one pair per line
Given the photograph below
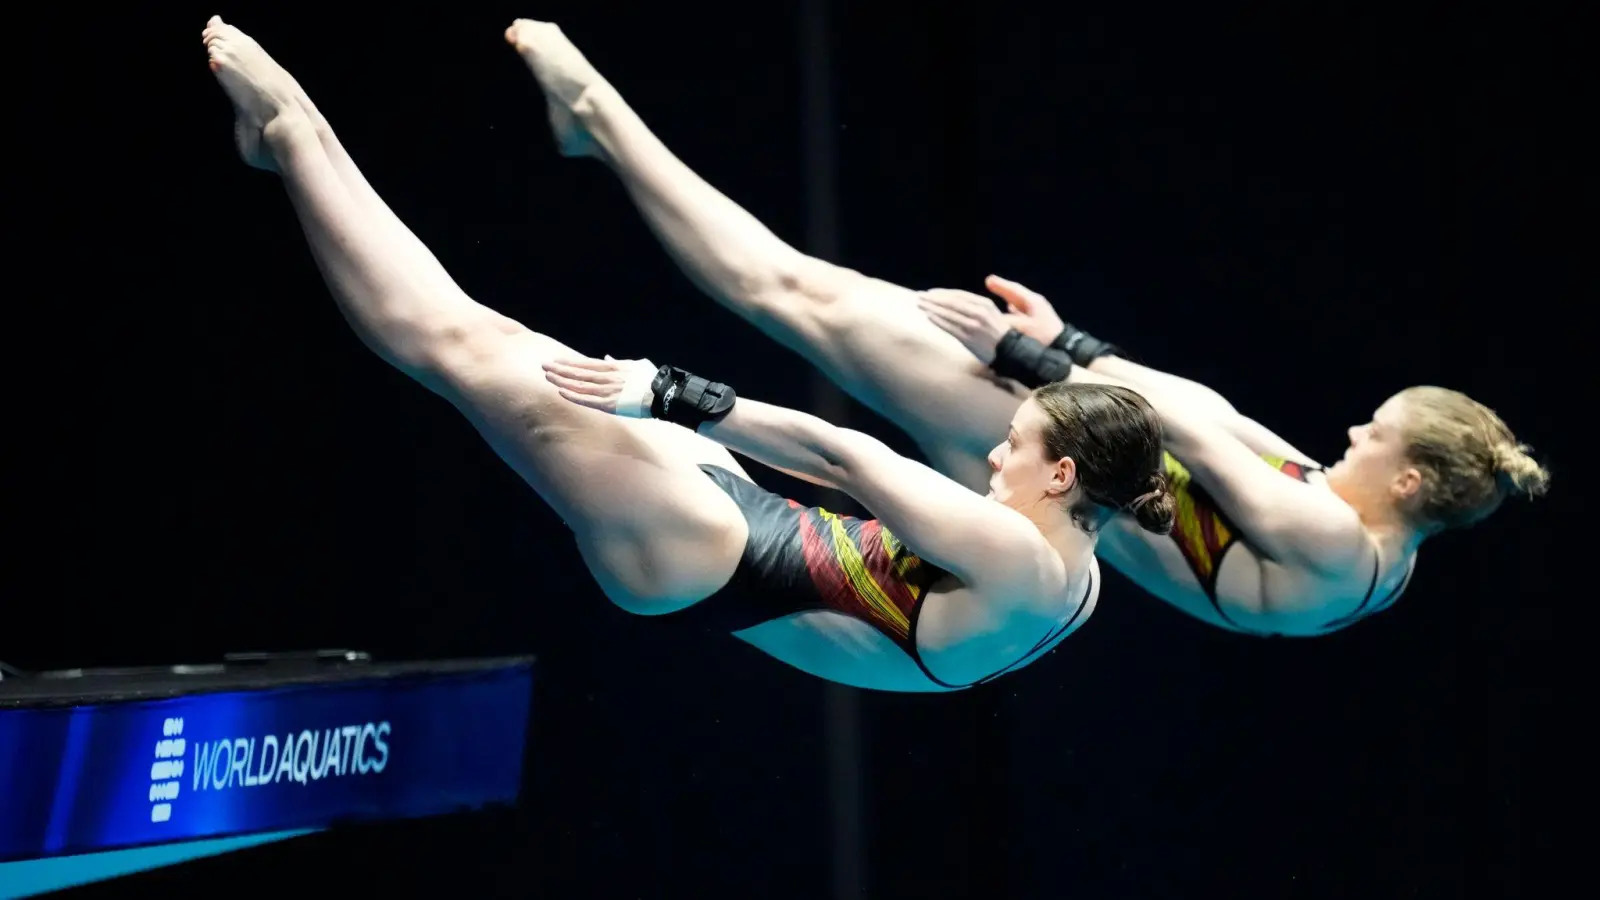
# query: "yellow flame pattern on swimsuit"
x,y
859,575
1199,527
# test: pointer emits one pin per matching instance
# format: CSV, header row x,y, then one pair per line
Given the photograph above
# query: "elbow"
x,y
847,454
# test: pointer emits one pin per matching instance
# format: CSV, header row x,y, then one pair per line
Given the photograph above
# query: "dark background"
x,y
1308,208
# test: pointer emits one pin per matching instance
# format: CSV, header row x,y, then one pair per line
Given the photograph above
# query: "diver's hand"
x,y
973,320
1031,313
617,386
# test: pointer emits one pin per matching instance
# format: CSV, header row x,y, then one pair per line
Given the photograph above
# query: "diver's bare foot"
x,y
565,75
260,89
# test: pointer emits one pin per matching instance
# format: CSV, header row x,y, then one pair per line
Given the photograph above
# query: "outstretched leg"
x,y
867,335
656,533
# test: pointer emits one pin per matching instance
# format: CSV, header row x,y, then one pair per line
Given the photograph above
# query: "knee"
x,y
810,302
455,346
809,280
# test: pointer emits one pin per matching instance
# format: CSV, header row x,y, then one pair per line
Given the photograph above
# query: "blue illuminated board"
x,y
85,778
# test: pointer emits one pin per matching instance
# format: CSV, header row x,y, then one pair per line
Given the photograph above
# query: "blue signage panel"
x,y
86,778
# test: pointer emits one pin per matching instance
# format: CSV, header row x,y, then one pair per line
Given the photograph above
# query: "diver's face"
x,y
1375,463
1023,475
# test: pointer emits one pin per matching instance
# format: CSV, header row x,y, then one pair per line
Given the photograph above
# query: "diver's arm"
x,y
1175,389
1170,400
1285,520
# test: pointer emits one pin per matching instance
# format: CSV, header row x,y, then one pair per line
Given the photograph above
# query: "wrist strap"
x,y
688,400
1025,360
1082,347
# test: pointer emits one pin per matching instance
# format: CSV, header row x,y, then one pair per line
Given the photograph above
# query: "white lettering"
x,y
221,774
268,763
243,748
167,790
362,767
319,756
286,765
249,779
304,756
349,733
330,753
202,758
383,747
161,812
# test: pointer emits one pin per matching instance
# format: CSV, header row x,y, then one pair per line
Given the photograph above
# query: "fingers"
x,y
1018,296
965,311
585,364
585,395
589,386
957,301
580,399
945,309
944,324
949,320
583,380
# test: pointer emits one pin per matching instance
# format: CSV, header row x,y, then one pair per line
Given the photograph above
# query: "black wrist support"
x,y
1082,347
1025,360
688,400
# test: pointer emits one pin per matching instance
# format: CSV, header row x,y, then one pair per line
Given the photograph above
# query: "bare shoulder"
x,y
1078,595
974,631
1317,529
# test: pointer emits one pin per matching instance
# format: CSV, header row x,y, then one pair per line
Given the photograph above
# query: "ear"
x,y
1406,484
1064,477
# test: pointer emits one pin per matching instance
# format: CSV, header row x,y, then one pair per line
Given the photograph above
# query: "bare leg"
x,y
417,257
655,532
867,335
416,254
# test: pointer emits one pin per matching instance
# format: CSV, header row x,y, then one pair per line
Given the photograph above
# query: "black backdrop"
x,y
1307,209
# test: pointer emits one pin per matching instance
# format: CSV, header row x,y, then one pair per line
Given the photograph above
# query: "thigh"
x,y
654,530
682,444
941,393
869,337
